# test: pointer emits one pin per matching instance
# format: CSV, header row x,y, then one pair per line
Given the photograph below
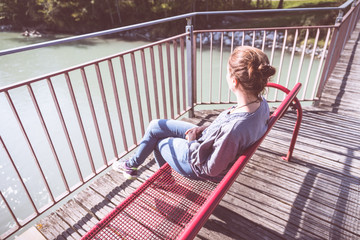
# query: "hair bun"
x,y
266,70
251,69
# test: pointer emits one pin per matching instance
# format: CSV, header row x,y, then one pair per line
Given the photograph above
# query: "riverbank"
x,y
249,38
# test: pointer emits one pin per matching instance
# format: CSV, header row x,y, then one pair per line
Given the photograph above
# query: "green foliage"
x,y
316,3
77,16
295,3
81,16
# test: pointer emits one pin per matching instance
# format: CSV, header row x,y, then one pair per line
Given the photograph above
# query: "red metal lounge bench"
x,y
179,210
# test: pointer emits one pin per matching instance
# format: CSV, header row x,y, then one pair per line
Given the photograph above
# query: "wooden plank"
x,y
336,154
148,169
348,172
52,226
321,183
108,189
81,220
349,130
128,186
345,123
341,105
319,146
265,210
348,121
342,81
336,82
290,174
285,186
346,100
305,187
340,111
308,139
333,142
272,202
225,224
332,169
94,203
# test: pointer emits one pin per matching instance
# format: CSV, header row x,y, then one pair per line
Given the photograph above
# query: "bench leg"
x,y
298,108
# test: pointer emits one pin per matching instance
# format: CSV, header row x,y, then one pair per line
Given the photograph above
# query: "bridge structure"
x,y
315,196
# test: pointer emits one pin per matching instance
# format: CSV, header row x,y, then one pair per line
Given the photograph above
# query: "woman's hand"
x,y
193,133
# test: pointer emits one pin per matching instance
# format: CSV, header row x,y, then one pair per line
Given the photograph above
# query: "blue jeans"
x,y
167,139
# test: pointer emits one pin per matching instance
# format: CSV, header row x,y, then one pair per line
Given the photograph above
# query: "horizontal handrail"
x,y
346,4
164,20
263,29
39,78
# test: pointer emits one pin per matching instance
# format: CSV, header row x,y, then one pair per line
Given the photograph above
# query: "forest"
x,y
82,16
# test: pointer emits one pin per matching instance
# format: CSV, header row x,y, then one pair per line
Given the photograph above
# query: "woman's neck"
x,y
249,102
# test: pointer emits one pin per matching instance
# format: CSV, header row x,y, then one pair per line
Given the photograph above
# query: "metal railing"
x,y
342,32
274,41
99,111
341,9
72,124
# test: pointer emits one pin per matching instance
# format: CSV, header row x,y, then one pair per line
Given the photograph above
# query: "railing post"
x,y
349,26
339,17
190,61
338,38
329,58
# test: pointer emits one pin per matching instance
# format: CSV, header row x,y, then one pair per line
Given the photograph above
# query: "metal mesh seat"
x,y
160,209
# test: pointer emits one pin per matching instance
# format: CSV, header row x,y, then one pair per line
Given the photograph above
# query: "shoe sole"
x,y
126,175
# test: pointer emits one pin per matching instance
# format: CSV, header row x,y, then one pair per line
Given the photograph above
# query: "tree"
x,y
118,10
281,4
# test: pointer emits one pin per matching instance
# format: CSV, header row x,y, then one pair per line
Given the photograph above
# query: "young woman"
x,y
208,152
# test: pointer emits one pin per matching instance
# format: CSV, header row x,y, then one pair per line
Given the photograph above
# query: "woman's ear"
x,y
234,82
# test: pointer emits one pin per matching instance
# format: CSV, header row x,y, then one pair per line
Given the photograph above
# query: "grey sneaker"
x,y
128,172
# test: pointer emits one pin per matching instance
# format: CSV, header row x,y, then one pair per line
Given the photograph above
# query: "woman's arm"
x,y
193,133
216,153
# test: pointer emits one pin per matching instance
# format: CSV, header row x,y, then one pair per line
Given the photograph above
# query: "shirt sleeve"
x,y
219,152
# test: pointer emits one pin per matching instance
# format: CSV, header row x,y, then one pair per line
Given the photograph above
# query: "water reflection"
x,y
26,65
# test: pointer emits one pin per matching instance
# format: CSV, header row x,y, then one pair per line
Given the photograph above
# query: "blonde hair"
x,y
251,69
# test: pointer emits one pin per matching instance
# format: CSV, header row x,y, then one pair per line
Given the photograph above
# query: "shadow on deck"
x,y
315,196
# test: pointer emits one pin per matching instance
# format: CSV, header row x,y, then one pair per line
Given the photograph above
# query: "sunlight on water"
x,y
20,67
25,65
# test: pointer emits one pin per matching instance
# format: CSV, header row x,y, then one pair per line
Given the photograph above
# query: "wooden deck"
x,y
315,196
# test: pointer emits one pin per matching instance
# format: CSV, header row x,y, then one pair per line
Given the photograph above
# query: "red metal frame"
x,y
296,105
130,219
203,214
